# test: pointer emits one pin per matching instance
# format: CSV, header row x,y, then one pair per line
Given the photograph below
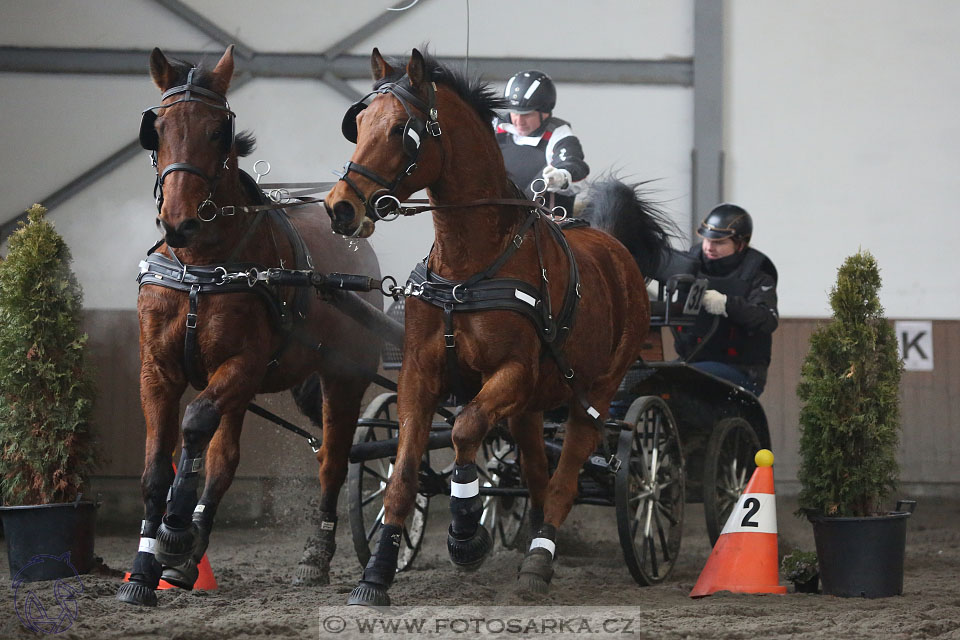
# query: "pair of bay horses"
x,y
579,323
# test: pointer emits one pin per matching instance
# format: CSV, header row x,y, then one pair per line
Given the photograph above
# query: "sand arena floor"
x,y
255,600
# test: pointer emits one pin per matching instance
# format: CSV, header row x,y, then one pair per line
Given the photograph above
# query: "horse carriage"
x,y
488,324
675,434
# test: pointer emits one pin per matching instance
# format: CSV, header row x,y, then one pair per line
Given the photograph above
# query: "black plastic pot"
x,y
39,536
810,586
861,557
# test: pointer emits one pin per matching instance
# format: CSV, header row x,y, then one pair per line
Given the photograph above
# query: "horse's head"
x,y
191,133
398,147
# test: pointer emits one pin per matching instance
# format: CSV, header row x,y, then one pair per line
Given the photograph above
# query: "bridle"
x,y
383,203
150,141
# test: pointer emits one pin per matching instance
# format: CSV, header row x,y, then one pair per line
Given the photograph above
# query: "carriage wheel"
x,y
649,491
502,516
367,481
727,467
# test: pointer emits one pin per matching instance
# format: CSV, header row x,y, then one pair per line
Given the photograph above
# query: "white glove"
x,y
556,179
715,302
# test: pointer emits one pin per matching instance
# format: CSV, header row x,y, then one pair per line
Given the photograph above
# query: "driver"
x,y
742,292
535,144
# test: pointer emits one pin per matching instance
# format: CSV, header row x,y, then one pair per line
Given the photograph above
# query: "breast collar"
x,y
160,270
484,292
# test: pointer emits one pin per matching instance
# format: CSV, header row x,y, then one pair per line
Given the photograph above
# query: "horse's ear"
x,y
223,72
161,70
379,66
416,69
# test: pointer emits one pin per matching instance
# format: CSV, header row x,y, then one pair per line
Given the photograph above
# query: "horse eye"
x,y
216,134
397,130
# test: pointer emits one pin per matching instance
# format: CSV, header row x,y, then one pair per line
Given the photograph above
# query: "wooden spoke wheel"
x,y
500,468
649,490
727,467
367,482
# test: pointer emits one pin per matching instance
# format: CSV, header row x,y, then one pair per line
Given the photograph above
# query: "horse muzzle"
x,y
343,218
181,235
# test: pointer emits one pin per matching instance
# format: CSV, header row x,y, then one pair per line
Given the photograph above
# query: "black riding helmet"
x,y
530,91
727,221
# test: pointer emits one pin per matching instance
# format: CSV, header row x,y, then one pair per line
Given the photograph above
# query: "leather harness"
x,y
483,292
169,272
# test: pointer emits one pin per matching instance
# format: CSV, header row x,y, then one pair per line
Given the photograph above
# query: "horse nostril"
x,y
343,212
188,227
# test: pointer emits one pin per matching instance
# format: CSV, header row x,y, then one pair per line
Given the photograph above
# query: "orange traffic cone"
x,y
205,578
744,560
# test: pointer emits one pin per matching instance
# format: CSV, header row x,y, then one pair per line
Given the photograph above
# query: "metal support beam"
x,y
197,20
90,176
348,67
81,182
707,108
383,19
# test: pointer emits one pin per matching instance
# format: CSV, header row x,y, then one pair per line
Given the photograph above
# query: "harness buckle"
x,y
228,210
433,127
449,341
413,167
517,240
191,321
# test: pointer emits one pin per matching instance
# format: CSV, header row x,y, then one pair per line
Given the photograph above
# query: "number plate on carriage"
x,y
695,298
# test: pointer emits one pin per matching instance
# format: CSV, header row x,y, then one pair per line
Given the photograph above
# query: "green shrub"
x,y
46,391
799,566
849,390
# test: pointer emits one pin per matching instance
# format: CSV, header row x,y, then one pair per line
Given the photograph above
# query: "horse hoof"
x,y
469,554
533,584
368,594
536,571
175,544
308,575
137,593
183,576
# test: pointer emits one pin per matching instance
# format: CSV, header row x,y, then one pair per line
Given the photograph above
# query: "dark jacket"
x,y
743,336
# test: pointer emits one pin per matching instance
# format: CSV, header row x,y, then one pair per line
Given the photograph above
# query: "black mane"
x,y
244,142
485,100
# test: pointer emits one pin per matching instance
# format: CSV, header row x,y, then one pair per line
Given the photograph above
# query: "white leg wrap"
x,y
148,545
465,490
544,543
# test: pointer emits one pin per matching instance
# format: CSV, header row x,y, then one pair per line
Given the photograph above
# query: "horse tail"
x,y
626,212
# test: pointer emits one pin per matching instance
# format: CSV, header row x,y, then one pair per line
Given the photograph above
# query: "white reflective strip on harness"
x,y
754,513
327,525
200,508
593,413
532,89
544,543
526,297
413,134
148,545
465,489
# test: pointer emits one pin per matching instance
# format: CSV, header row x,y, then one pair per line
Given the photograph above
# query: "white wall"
x,y
842,132
54,127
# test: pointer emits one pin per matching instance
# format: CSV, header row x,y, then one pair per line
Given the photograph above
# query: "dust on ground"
x,y
253,566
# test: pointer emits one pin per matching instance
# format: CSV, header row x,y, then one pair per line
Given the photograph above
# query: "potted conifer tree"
x,y
850,423
46,400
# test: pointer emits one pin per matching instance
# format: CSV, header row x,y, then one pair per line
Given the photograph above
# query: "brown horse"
x,y
497,351
230,339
